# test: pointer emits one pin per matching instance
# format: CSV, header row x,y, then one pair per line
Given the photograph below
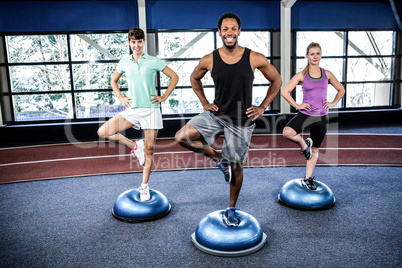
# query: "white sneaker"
x,y
139,151
144,193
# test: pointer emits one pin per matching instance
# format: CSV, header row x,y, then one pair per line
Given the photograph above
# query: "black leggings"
x,y
319,125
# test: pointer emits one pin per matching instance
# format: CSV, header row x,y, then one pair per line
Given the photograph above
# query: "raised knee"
x,y
287,133
179,137
101,132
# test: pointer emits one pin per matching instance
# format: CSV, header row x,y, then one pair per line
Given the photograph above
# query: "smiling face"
x,y
136,45
314,55
229,32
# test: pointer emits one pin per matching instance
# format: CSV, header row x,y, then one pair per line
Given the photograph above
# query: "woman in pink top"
x,y
313,112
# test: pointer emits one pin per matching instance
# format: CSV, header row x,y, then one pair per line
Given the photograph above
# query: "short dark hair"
x,y
137,33
229,16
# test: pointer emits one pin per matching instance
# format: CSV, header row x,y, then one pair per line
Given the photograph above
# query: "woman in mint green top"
x,y
142,103
141,79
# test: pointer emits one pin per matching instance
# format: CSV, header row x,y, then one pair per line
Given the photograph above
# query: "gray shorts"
x,y
236,138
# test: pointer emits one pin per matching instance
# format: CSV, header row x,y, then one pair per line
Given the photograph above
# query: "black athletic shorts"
x,y
318,126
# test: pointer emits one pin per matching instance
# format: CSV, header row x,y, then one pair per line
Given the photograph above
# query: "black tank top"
x,y
233,88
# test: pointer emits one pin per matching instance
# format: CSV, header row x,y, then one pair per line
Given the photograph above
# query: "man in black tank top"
x,y
233,88
231,113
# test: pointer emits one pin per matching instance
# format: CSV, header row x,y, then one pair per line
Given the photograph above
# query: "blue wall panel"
x,y
50,16
342,15
54,16
205,14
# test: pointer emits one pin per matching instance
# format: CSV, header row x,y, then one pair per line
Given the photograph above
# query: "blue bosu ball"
x,y
128,206
295,195
215,237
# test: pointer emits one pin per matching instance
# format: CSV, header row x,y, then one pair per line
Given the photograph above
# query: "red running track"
x,y
80,159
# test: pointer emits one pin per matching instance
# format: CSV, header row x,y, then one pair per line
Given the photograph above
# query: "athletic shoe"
x,y
139,151
230,217
224,166
307,152
309,183
144,193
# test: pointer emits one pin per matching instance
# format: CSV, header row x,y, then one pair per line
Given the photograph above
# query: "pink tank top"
x,y
315,93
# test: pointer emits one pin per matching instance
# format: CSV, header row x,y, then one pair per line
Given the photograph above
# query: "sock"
x,y
144,185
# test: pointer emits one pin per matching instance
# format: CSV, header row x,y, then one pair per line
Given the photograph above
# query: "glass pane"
x,y
369,69
299,94
184,69
184,100
256,41
97,104
185,44
259,93
331,93
334,65
368,94
370,43
95,76
42,107
37,48
40,78
331,42
92,47
259,78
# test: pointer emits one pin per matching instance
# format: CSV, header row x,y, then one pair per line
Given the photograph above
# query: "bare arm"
x,y
258,61
199,72
296,79
113,82
174,79
338,86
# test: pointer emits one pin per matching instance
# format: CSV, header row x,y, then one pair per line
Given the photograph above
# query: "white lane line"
x,y
180,152
60,159
254,135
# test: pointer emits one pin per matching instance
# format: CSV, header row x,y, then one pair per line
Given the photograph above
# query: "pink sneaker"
x,y
139,151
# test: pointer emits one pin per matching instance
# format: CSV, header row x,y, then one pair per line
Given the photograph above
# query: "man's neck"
x,y
233,51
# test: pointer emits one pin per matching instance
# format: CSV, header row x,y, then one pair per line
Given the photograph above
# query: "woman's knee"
x,y
288,132
315,151
102,132
149,149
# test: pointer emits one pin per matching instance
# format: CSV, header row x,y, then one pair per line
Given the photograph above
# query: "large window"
x,y
182,52
361,60
64,76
